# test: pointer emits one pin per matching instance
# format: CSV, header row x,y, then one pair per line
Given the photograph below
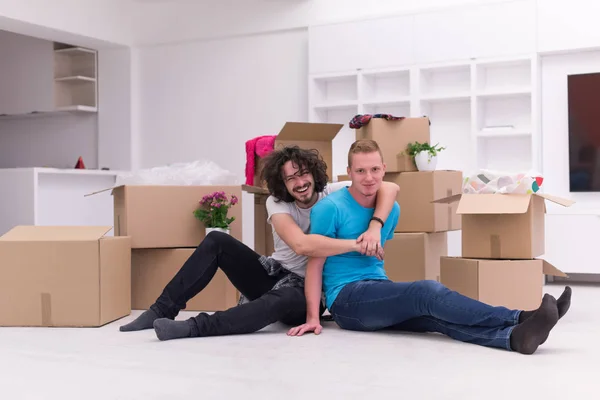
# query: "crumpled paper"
x,y
196,173
491,182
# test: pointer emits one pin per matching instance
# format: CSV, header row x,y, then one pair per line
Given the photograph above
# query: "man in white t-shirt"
x,y
272,287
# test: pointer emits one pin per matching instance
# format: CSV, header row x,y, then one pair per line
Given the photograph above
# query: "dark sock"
x,y
167,329
563,303
144,321
527,336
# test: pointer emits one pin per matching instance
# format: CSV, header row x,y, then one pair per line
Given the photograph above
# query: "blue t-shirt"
x,y
339,216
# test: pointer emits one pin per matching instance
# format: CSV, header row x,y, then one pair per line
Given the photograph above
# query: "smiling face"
x,y
366,172
299,183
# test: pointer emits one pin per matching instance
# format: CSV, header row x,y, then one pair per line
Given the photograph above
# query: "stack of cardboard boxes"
x,y
420,238
502,234
79,276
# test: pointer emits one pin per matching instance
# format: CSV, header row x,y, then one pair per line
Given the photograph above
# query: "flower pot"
x,y
425,161
209,230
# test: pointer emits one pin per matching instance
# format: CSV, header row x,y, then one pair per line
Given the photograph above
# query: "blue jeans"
x,y
422,306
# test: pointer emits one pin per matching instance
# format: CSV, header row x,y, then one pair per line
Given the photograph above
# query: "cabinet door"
x,y
491,30
571,241
564,25
26,74
375,43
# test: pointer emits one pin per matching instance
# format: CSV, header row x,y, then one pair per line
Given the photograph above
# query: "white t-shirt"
x,y
283,253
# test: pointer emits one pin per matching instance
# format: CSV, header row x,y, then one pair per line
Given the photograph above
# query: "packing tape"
x,y
450,219
46,309
495,246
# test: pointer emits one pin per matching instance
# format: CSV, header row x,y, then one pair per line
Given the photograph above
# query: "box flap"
x,y
449,199
103,190
254,189
557,200
309,131
34,233
550,269
494,204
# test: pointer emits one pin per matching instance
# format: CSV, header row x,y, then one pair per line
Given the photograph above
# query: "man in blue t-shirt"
x,y
361,297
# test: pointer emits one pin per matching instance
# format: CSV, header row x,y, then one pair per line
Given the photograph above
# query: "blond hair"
x,y
363,146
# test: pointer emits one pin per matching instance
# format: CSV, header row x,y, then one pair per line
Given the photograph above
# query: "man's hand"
x,y
370,242
309,326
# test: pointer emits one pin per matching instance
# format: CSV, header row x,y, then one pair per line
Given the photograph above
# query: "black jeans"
x,y
243,268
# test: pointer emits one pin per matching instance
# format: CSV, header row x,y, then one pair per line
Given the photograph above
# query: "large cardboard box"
x,y
263,231
418,190
161,216
152,269
64,276
306,135
515,284
393,138
415,256
503,226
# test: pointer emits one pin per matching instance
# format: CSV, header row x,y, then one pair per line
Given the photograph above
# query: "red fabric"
x,y
259,146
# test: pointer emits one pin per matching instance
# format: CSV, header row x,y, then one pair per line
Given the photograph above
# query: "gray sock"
x,y
167,329
144,321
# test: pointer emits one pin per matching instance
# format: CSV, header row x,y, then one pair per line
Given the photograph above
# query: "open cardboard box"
x,y
161,216
515,284
306,135
64,276
503,226
263,232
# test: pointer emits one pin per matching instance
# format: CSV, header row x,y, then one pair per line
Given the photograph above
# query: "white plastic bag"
x,y
489,181
197,173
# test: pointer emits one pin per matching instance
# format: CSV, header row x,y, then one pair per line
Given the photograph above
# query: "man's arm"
x,y
313,284
308,244
370,240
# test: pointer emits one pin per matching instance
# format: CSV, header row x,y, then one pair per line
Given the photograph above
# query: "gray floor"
x,y
103,363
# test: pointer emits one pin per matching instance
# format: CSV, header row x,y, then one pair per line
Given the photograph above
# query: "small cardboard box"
x,y
393,138
64,276
503,226
161,216
515,284
263,231
415,256
152,269
306,135
418,190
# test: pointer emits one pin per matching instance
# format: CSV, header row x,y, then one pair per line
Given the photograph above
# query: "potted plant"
x,y
213,210
424,155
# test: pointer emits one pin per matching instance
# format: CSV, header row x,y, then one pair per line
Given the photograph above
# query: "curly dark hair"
x,y
303,159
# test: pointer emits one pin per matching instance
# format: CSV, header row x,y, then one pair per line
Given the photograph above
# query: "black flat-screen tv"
x,y
584,132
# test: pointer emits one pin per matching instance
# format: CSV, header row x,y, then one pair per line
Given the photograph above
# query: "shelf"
x,y
497,76
334,89
508,93
441,82
75,51
386,84
449,97
50,113
504,133
75,79
336,105
388,102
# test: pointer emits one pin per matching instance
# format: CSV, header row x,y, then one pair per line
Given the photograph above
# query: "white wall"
x,y
168,22
204,100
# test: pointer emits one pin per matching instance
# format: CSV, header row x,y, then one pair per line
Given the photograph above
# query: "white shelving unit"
x,y
75,79
484,111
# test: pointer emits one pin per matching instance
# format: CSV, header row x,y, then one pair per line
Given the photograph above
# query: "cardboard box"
x,y
415,256
152,269
515,284
263,231
161,216
64,276
393,138
503,226
418,190
306,135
